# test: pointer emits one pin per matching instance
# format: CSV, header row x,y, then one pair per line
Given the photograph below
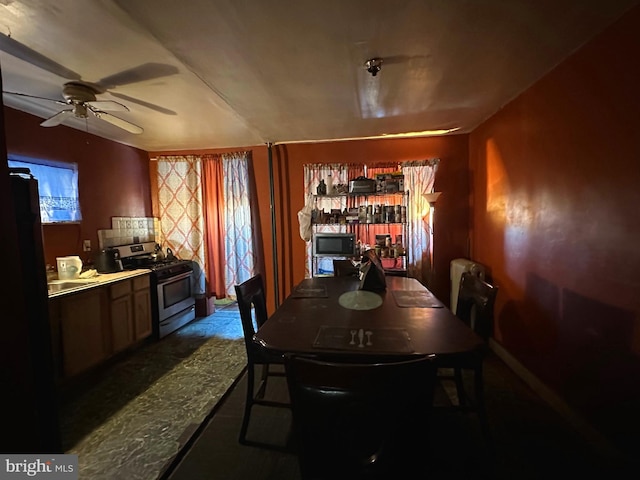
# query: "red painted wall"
x,y
113,179
555,217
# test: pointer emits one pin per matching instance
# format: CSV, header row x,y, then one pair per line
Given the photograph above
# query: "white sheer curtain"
x,y
240,254
419,177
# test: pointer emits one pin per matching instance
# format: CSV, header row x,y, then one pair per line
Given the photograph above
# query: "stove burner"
x,y
168,267
168,270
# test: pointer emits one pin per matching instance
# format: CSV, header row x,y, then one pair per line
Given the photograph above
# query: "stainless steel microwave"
x,y
334,244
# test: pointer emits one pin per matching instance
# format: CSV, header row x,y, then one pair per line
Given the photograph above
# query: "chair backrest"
x,y
344,268
360,420
476,300
251,298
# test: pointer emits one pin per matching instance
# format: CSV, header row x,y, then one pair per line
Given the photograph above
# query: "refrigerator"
x,y
30,353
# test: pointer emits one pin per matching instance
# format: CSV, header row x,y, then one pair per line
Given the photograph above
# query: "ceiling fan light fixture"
x,y
373,66
80,110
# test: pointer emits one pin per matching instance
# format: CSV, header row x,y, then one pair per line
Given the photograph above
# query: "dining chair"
x,y
253,313
344,268
476,300
359,420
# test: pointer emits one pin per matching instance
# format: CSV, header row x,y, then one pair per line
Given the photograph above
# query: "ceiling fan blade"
x,y
57,119
60,102
18,50
118,122
146,71
151,106
108,105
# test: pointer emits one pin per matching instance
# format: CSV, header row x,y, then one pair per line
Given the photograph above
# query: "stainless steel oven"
x,y
173,303
176,302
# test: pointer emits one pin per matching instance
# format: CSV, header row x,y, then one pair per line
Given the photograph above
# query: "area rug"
x,y
136,419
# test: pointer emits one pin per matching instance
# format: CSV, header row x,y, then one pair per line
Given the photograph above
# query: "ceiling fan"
x,y
80,96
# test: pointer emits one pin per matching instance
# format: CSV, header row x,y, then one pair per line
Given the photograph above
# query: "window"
x,y
57,186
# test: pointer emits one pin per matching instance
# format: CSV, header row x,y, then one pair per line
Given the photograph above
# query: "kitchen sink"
x,y
58,285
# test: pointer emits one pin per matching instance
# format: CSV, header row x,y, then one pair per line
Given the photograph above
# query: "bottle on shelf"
x,y
329,185
362,214
315,212
399,248
359,250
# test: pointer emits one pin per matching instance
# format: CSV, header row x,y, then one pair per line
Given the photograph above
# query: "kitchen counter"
x,y
58,288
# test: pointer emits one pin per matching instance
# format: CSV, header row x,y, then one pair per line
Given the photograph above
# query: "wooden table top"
x,y
313,320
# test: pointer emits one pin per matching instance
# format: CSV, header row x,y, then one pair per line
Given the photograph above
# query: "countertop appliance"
x,y
172,294
108,261
32,359
69,267
334,244
362,185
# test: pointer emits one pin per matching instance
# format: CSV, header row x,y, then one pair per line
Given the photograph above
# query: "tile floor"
x,y
132,420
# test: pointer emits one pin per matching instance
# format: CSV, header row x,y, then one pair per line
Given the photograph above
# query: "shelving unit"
x,y
365,215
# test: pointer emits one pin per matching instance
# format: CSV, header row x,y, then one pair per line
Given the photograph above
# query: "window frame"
x,y
72,215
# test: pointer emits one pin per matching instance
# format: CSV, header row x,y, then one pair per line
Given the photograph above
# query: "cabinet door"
x,y
142,313
121,314
82,330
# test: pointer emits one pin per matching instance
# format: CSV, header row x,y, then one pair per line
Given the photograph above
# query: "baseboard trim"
x,y
591,434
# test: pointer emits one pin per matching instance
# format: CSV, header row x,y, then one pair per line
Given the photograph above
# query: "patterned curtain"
x,y
419,177
241,256
180,204
182,218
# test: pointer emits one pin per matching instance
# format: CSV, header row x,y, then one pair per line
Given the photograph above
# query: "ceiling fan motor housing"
x,y
74,93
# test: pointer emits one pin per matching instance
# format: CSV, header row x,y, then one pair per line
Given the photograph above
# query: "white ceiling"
x,y
235,73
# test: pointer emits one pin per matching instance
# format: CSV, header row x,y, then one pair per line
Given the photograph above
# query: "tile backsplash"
x,y
128,230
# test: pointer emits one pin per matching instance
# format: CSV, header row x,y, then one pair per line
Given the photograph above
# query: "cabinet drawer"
x,y
120,289
141,282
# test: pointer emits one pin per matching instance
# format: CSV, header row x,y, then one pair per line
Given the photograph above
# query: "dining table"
x,y
333,317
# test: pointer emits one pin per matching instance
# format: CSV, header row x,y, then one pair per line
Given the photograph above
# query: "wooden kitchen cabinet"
x,y
130,312
121,315
142,307
82,321
90,326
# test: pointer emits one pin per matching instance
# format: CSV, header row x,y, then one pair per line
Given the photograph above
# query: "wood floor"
x,y
531,441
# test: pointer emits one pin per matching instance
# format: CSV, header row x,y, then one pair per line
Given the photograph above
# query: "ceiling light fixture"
x,y
423,133
373,66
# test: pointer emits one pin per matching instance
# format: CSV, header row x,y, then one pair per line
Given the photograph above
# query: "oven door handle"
x,y
175,278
